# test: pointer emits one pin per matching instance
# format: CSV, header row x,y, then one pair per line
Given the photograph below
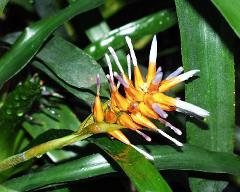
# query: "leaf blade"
x,y
205,48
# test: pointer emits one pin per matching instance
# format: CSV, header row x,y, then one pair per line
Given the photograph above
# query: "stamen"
x,y
159,69
129,66
132,53
167,124
109,66
187,75
146,137
115,57
144,153
175,73
185,107
159,111
158,78
110,81
169,137
120,80
153,51
98,84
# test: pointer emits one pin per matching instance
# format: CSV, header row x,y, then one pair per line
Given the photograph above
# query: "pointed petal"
x,y
132,53
98,112
120,136
189,108
152,61
144,153
129,66
109,66
142,120
187,75
168,84
153,51
169,137
115,57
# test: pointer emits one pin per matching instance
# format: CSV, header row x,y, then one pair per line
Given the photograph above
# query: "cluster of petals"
x,y
143,100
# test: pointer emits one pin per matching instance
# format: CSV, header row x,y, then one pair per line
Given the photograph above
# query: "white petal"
x,y
169,137
115,57
132,53
129,66
153,51
144,153
109,66
187,75
185,107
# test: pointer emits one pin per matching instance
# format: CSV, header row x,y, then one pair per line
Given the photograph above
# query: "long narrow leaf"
x,y
34,36
165,157
206,43
151,24
134,165
230,10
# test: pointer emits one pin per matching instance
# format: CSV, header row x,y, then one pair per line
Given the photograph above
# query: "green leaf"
x,y
83,95
72,65
62,118
230,10
35,35
16,104
4,189
165,158
206,45
3,4
151,24
134,165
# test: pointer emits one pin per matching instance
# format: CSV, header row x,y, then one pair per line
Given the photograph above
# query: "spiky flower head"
x,y
143,100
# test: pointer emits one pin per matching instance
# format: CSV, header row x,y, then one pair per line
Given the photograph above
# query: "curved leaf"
x,y
34,36
165,157
230,10
151,24
134,165
72,65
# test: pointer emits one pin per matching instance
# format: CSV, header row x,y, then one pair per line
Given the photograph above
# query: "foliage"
x,y
49,60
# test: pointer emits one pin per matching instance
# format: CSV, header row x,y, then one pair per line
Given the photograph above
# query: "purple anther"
x,y
98,84
159,69
146,137
158,78
159,111
175,73
167,124
120,79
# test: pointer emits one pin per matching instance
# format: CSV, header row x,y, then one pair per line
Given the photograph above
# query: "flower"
x,y
143,100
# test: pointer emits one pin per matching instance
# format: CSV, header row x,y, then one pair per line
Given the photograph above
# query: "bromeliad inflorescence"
x,y
143,100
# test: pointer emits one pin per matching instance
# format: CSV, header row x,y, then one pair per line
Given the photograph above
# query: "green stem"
x,y
39,150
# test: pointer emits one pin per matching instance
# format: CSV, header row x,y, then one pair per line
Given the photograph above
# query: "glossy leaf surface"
x,y
134,165
51,120
151,24
165,157
35,35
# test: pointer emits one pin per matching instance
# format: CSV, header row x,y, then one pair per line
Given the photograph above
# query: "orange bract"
x,y
142,101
